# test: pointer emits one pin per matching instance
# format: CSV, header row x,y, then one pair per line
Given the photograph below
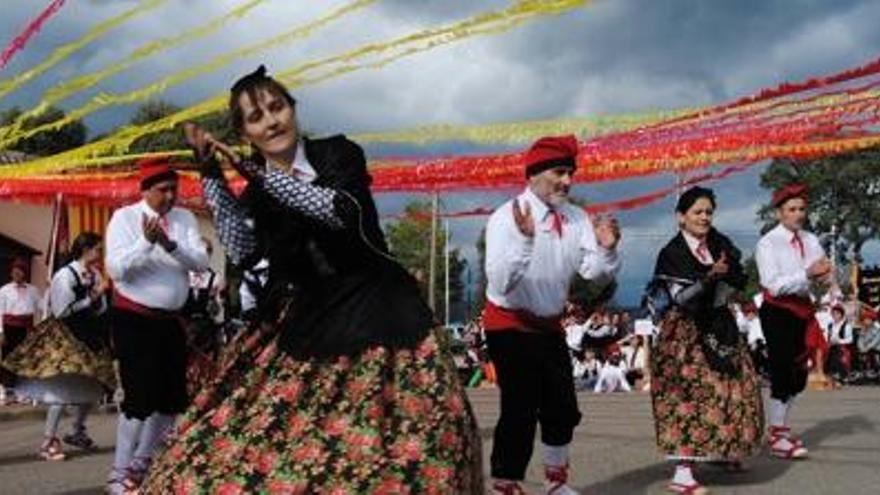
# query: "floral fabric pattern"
x,y
382,421
50,349
701,414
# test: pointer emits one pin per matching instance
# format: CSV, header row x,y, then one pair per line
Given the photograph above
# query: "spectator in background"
x,y
750,326
574,333
869,347
612,376
586,369
20,304
840,338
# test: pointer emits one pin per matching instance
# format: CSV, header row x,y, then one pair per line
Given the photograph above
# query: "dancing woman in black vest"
x,y
344,383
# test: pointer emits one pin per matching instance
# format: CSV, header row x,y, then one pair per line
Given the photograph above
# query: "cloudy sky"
x,y
612,56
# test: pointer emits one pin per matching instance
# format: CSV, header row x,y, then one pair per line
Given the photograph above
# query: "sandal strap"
x,y
787,453
507,488
684,489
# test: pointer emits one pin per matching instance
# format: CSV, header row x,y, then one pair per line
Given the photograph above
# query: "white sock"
x,y
128,430
683,474
79,419
788,406
778,411
53,417
556,456
152,434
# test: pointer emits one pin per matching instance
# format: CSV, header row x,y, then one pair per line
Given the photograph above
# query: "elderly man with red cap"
x,y
151,247
535,244
19,304
790,260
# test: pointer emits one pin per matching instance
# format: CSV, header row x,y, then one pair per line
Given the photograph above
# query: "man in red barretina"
x,y
151,246
535,244
790,260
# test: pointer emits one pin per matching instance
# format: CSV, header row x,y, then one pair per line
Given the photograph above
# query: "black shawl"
x,y
718,333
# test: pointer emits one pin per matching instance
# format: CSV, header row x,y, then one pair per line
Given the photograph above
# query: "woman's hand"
x,y
207,148
721,267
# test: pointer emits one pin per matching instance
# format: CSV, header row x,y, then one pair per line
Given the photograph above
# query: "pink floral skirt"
x,y
382,421
700,414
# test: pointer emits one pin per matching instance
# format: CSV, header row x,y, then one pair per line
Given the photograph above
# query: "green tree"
x,y
844,192
216,123
50,142
410,242
753,285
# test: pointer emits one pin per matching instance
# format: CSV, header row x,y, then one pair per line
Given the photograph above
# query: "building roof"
x,y
9,242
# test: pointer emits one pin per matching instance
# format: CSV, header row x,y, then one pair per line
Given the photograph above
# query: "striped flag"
x,y
89,217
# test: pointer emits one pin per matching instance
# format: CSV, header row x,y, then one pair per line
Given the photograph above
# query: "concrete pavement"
x,y
613,451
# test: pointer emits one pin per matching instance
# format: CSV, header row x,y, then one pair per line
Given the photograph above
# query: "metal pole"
x,y
432,257
467,292
446,249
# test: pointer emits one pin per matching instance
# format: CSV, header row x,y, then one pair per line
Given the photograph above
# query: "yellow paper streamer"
x,y
414,43
104,100
64,51
67,88
520,132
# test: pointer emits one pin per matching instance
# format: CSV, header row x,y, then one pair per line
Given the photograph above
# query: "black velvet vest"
x,y
341,290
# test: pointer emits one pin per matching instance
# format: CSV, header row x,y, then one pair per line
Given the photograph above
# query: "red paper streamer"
x,y
605,207
22,39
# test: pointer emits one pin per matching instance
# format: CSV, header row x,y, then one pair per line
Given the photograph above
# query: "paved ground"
x,y
613,451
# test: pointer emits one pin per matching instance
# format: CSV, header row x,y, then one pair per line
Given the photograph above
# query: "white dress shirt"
x,y
62,299
19,300
145,272
782,269
301,168
534,273
694,245
612,379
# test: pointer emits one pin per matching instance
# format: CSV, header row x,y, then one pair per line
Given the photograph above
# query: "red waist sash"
x,y
801,307
496,318
126,304
26,321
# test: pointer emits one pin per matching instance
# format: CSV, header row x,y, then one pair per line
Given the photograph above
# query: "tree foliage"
x,y
50,142
217,123
410,242
844,191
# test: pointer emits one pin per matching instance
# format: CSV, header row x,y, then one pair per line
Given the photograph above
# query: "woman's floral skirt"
x,y
381,421
53,366
700,414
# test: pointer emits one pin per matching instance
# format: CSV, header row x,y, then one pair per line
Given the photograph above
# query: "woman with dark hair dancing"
x,y
705,391
343,384
65,361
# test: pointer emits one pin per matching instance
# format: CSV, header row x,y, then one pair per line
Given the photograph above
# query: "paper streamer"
x,y
19,42
64,51
68,88
415,43
105,100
